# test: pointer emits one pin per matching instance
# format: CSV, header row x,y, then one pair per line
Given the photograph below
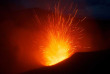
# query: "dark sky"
x,y
95,8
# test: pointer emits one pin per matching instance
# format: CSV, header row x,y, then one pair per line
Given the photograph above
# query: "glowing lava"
x,y
57,50
59,42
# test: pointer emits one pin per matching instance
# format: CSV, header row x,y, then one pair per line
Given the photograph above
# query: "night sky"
x,y
92,8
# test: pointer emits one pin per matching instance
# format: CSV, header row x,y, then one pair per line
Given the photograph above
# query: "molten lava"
x,y
57,50
59,42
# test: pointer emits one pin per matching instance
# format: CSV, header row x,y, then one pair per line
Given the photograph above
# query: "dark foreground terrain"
x,y
80,63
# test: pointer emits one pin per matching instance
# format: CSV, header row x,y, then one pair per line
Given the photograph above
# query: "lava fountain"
x,y
59,40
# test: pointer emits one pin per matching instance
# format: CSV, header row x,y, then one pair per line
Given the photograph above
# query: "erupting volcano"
x,y
60,38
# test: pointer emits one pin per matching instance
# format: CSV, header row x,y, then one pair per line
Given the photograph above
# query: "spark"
x,y
59,41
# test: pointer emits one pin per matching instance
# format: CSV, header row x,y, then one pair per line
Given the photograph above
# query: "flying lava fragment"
x,y
59,39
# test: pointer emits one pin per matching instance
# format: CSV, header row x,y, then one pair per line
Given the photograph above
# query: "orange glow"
x,y
59,43
57,50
